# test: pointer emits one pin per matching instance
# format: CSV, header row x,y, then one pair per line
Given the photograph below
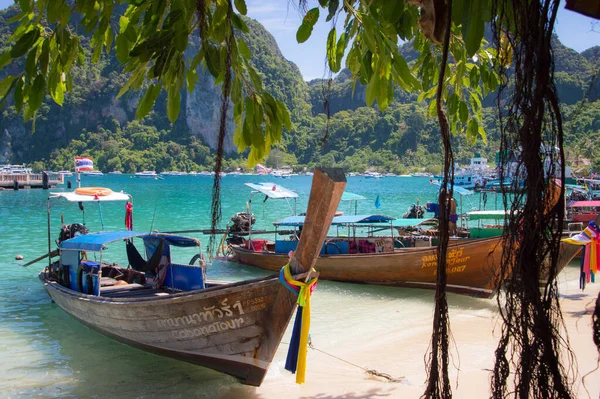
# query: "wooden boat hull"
x,y
228,328
473,266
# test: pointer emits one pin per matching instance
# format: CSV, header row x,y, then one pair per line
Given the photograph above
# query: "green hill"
x,y
91,122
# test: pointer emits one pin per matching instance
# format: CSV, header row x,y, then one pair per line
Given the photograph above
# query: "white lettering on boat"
x,y
208,314
218,326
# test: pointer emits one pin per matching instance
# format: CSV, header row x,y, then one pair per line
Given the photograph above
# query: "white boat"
x,y
173,173
15,170
92,173
372,175
115,172
147,174
65,173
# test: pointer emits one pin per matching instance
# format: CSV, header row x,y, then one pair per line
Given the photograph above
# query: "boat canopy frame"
x,y
372,222
72,196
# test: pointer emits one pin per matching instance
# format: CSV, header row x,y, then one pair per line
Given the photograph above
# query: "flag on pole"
x,y
83,163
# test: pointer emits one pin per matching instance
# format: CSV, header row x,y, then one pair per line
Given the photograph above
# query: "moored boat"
x,y
147,174
408,261
170,308
386,253
95,173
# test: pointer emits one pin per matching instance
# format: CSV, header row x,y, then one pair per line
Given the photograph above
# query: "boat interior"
x,y
155,275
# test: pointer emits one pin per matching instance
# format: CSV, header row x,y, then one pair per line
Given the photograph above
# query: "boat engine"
x,y
242,221
71,230
414,212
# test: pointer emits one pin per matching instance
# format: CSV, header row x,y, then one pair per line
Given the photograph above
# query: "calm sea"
x,y
46,353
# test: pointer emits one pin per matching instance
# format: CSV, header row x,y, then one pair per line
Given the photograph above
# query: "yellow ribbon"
x,y
304,301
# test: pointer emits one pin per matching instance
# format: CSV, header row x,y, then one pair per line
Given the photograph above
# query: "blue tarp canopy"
x,y
95,242
338,220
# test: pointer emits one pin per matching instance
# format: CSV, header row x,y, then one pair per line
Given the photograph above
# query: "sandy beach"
x,y
400,353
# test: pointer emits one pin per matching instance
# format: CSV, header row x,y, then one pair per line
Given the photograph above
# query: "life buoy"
x,y
90,282
94,191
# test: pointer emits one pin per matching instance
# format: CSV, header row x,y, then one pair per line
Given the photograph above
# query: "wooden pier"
x,y
17,181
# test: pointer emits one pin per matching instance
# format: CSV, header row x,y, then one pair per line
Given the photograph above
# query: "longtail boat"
x,y
389,254
170,308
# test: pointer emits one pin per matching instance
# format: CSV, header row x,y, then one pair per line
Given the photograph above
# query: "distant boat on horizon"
x,y
148,174
92,173
115,172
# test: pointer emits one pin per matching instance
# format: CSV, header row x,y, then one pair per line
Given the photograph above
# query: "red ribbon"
x,y
129,216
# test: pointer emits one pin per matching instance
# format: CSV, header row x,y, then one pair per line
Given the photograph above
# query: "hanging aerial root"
x,y
533,349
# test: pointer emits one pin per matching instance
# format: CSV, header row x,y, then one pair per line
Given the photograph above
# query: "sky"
x,y
282,18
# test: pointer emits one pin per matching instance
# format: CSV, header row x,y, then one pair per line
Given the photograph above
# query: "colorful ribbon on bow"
x,y
589,238
296,357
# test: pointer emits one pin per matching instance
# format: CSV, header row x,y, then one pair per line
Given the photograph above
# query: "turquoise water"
x,y
45,353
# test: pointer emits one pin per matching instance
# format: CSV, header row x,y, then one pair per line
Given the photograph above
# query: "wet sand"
x,y
400,353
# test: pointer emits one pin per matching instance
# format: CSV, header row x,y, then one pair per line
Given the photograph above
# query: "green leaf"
x,y
236,91
6,85
432,108
45,56
392,10
18,97
30,62
24,43
483,135
452,104
341,48
58,94
173,103
5,59
306,28
36,94
122,48
191,76
332,50
333,6
405,74
372,89
132,82
475,101
463,111
244,49
284,115
240,5
147,101
472,130
26,5
239,23
255,78
54,10
475,15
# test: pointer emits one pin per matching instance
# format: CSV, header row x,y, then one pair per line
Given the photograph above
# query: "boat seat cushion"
x,y
184,277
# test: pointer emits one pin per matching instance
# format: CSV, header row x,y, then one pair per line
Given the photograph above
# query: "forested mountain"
x,y
91,122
